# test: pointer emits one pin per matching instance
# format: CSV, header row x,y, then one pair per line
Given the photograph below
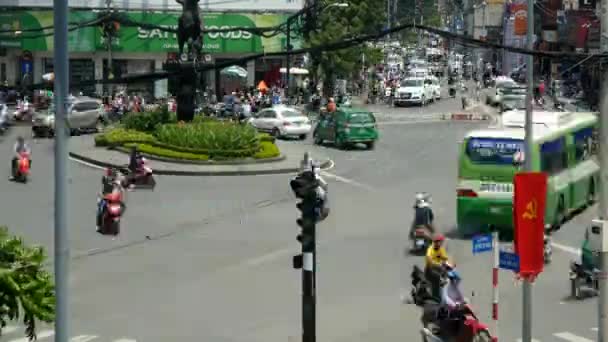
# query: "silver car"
x,y
84,114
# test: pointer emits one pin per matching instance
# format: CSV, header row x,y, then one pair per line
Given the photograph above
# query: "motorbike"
x,y
421,288
110,217
463,321
580,277
421,240
452,91
144,177
547,250
25,111
22,171
4,119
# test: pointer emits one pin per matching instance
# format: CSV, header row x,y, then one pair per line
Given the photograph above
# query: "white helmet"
x,y
422,199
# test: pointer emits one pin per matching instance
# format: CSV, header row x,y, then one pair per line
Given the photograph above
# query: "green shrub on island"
x,y
148,121
267,150
210,136
121,136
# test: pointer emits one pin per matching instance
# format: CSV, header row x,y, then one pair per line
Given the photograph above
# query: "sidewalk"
x,y
83,150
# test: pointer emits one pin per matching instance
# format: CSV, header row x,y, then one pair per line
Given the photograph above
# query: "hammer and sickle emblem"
x,y
531,212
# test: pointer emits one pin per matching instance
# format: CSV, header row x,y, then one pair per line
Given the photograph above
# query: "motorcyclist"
x,y
135,165
442,315
108,185
423,215
20,147
103,202
436,258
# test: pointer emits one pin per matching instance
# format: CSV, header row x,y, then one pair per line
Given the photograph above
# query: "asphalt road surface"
x,y
209,258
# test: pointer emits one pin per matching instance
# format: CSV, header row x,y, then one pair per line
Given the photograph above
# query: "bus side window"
x,y
585,143
554,157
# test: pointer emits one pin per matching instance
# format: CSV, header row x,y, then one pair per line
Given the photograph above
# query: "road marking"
x,y
40,335
567,249
125,340
571,337
347,181
594,329
87,164
9,329
533,340
83,338
403,122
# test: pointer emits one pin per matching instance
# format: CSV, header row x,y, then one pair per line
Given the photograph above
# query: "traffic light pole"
x,y
309,288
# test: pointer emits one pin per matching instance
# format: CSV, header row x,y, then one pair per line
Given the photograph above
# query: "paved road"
x,y
216,265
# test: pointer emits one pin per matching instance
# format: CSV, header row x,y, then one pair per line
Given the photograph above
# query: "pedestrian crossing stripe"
x,y
571,337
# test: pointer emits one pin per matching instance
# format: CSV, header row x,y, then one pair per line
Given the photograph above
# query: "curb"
x,y
467,117
328,164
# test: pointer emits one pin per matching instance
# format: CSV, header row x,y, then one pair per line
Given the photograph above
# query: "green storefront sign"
x,y
81,40
137,39
10,22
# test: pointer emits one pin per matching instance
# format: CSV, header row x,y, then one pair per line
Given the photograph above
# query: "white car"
x,y
414,91
282,121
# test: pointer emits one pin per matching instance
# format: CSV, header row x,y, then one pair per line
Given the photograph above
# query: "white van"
x,y
414,90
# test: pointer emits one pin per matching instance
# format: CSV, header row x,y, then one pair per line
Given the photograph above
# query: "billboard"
x,y
165,5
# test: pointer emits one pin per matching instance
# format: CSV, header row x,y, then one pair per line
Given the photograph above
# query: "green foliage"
x,y
210,136
167,153
335,24
148,121
121,136
267,150
408,13
26,288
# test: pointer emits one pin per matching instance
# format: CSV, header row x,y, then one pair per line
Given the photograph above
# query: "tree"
x,y
26,289
408,12
337,23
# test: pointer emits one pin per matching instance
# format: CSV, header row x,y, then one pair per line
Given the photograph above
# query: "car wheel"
x,y
370,145
276,133
302,137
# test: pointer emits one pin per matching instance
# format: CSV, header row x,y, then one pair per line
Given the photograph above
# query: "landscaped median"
x,y
205,147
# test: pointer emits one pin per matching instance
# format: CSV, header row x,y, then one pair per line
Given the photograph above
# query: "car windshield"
x,y
495,151
290,113
361,118
411,83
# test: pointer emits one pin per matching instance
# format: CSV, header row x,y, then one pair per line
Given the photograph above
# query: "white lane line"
x,y
533,340
571,337
594,329
41,335
9,329
83,338
125,340
394,123
347,181
86,164
567,249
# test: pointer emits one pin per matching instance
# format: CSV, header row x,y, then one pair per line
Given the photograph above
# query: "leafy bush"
x,y
267,150
266,137
210,136
27,288
148,121
121,136
203,119
167,153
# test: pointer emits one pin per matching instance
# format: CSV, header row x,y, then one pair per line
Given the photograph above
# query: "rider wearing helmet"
x,y
423,215
20,147
436,257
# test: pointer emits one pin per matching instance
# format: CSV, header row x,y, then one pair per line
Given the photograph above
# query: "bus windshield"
x,y
494,151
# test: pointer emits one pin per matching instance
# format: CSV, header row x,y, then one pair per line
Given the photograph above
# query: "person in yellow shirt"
x,y
436,256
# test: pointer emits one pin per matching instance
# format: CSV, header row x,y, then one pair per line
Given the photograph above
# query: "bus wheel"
x,y
560,214
591,194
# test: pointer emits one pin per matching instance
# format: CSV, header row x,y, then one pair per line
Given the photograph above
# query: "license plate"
x,y
496,187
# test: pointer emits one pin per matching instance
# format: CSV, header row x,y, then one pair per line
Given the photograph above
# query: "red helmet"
x,y
438,237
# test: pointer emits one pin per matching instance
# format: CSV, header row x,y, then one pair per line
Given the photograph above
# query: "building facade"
x,y
29,55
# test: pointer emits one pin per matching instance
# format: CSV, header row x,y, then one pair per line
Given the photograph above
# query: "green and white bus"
x,y
564,146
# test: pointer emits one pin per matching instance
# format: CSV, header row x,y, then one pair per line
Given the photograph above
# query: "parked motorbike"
x,y
113,210
22,171
581,277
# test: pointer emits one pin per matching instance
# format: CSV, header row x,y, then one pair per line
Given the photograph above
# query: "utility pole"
x,y
288,59
529,128
603,205
62,246
109,42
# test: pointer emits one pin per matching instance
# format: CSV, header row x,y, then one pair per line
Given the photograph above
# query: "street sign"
x,y
529,220
508,261
482,243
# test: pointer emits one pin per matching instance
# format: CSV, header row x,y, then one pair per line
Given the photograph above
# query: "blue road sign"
x,y
508,261
482,243
26,67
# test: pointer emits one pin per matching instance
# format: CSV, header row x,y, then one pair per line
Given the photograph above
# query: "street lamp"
x,y
288,37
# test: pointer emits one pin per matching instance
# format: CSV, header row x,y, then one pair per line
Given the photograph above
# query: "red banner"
x,y
520,12
529,220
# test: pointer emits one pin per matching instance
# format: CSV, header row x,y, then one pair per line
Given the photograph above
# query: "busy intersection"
x,y
209,258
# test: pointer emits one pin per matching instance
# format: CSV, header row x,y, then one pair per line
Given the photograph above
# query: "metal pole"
x,y
495,252
603,200
110,66
288,59
309,298
62,247
529,125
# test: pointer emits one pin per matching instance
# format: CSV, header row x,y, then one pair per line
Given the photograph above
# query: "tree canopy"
x,y
26,289
337,23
